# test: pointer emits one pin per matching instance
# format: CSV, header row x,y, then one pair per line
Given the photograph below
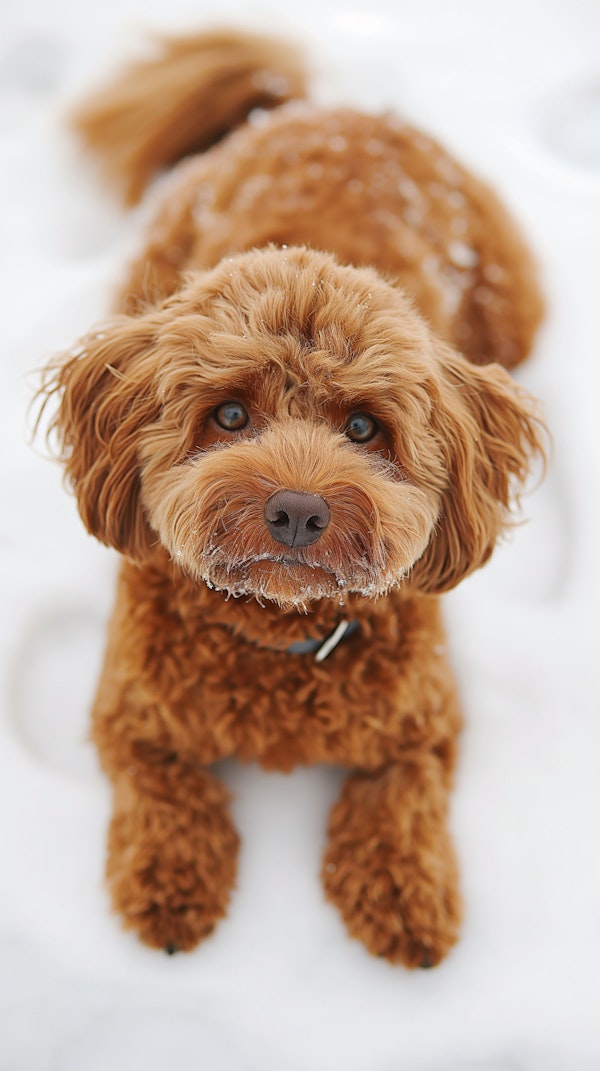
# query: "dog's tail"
x,y
183,100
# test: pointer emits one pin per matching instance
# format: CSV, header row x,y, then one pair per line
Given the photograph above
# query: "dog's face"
x,y
289,429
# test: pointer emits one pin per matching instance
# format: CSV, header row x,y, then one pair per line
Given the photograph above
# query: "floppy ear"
x,y
107,395
490,431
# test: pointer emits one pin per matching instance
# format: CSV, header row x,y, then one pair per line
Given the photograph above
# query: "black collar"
x,y
322,648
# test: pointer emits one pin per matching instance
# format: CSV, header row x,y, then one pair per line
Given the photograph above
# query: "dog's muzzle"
x,y
296,518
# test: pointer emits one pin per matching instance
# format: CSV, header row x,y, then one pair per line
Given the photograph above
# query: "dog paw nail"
x,y
171,950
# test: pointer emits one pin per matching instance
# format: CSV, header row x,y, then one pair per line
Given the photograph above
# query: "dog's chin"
x,y
290,582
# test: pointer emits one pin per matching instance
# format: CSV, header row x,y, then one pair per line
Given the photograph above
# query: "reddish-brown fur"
x,y
277,274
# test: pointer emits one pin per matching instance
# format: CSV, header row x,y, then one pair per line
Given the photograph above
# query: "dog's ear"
x,y
107,394
489,431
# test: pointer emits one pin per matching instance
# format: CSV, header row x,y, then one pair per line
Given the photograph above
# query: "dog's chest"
x,y
379,691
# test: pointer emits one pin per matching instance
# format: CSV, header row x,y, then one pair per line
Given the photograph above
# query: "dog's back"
x,y
370,189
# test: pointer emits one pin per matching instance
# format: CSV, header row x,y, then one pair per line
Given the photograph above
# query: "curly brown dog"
x,y
294,434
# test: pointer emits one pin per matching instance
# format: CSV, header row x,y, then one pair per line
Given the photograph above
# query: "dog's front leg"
x,y
172,852
389,864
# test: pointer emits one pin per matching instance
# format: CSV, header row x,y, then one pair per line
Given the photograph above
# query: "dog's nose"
x,y
296,518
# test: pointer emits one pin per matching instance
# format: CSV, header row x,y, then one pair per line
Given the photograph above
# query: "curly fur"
x,y
310,266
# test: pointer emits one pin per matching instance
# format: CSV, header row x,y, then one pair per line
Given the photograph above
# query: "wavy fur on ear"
x,y
490,430
106,395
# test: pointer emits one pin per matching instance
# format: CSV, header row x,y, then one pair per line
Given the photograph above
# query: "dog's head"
x,y
290,429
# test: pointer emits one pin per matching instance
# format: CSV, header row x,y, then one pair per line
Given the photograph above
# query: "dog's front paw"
x,y
389,904
170,879
171,927
390,869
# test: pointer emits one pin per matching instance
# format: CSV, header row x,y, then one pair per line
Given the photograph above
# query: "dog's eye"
x,y
361,427
232,416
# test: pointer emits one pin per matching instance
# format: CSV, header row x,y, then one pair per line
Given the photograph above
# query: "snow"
x,y
513,89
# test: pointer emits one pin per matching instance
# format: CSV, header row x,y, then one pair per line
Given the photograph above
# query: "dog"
x,y
297,432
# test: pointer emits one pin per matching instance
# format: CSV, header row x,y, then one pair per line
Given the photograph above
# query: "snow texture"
x,y
513,88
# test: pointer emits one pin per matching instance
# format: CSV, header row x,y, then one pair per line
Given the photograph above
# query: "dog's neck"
x,y
264,624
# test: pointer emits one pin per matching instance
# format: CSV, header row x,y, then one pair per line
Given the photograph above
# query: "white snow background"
x,y
514,89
